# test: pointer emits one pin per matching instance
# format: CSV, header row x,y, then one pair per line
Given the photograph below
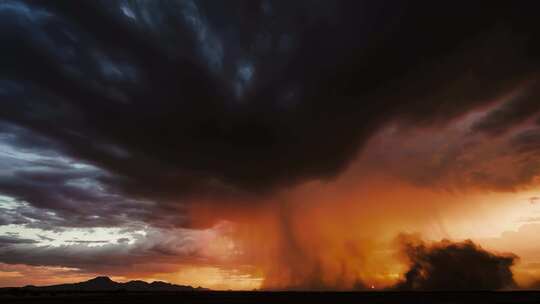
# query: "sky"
x,y
256,144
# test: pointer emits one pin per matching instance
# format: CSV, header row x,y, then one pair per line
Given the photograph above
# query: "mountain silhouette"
x,y
103,283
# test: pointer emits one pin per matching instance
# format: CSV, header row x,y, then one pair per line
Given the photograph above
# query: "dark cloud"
x,y
454,266
527,142
6,240
165,96
47,189
458,156
523,105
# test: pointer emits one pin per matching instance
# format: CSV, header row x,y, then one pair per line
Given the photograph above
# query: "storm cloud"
x,y
162,96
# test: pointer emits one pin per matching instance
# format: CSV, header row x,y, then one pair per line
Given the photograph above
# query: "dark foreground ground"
x,y
273,297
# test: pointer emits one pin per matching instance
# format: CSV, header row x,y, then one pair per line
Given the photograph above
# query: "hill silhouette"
x,y
104,290
104,283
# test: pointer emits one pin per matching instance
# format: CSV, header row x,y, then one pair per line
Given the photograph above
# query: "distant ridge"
x,y
104,283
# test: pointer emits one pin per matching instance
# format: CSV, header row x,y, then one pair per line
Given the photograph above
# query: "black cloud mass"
x,y
455,266
130,104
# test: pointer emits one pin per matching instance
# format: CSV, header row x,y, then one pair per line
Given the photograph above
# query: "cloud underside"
x,y
157,115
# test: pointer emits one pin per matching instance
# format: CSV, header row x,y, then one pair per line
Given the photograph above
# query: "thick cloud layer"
x,y
455,266
44,188
186,97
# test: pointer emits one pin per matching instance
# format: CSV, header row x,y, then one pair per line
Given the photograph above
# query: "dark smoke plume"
x,y
458,266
